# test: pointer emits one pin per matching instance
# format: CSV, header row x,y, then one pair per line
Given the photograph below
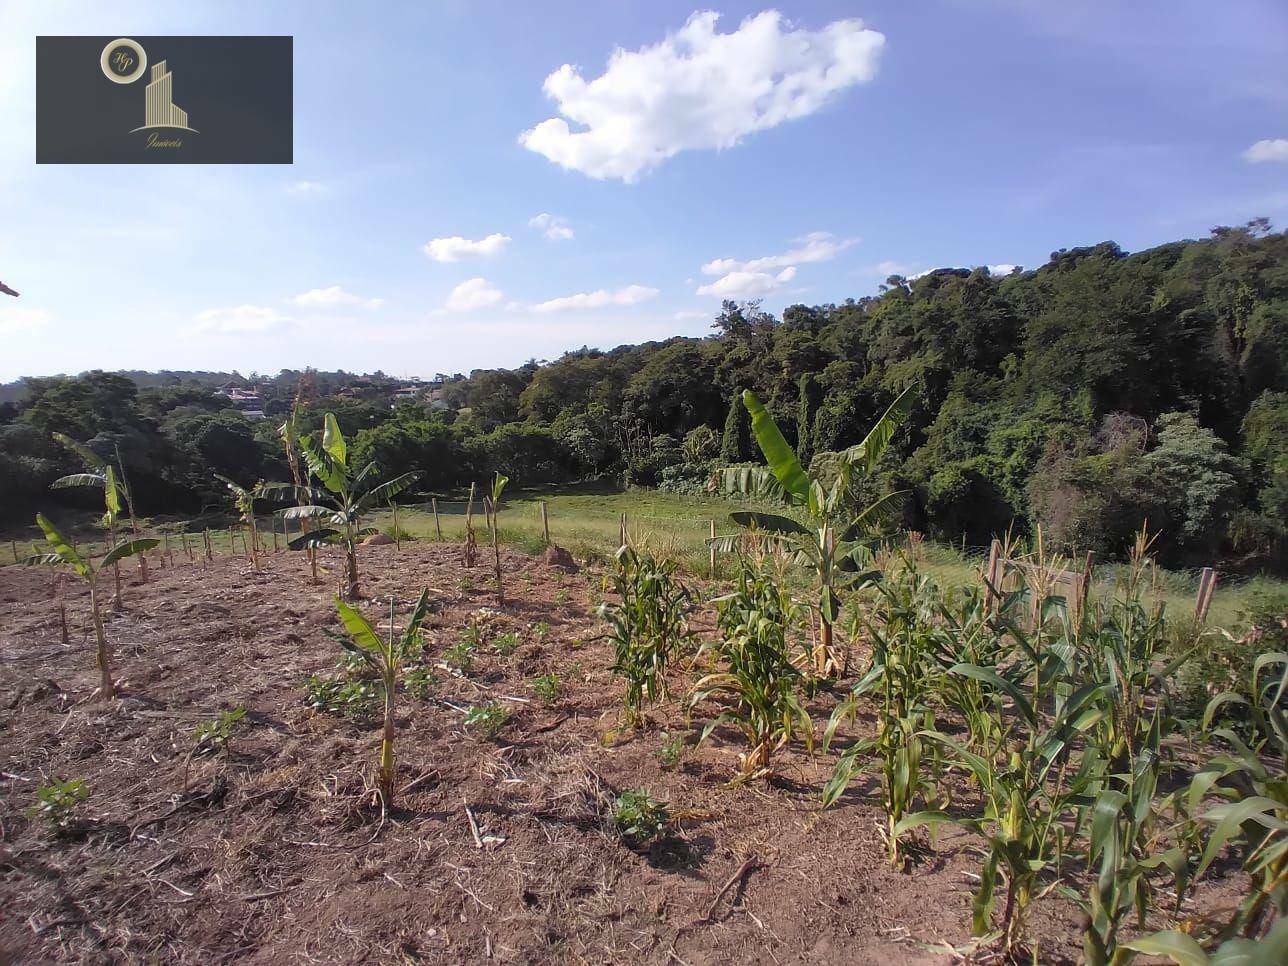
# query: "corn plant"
x,y
1184,950
385,657
833,540
347,494
648,625
1125,842
498,487
1025,797
244,499
755,621
62,554
1253,781
902,678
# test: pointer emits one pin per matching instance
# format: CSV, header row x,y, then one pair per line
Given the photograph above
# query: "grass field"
x,y
587,522
587,519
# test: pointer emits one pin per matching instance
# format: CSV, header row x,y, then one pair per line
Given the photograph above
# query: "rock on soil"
x,y
559,558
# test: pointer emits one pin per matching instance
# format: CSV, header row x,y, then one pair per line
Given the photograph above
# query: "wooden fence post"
x,y
622,530
990,574
438,526
712,549
205,537
13,545
1207,587
545,522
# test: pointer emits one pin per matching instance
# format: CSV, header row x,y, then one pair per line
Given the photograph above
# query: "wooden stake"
x,y
545,522
712,549
438,527
13,545
210,553
397,532
990,574
1207,587
622,534
276,548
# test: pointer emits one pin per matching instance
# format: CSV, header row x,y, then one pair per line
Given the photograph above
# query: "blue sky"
x,y
798,157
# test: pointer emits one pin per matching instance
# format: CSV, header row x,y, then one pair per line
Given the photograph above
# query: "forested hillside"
x,y
1098,391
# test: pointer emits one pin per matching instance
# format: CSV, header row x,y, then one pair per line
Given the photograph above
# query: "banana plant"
x,y
385,657
98,473
63,554
833,541
344,497
498,487
244,499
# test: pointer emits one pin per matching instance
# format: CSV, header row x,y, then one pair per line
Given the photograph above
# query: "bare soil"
x,y
277,854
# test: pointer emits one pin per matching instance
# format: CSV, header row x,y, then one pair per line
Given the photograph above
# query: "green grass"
x,y
586,521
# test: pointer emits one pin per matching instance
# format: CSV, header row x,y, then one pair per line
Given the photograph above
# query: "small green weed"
x,y
546,688
56,802
420,681
671,750
639,818
488,718
505,644
338,695
214,735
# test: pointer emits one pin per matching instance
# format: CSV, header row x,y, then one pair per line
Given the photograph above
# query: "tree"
x,y
736,441
62,554
833,544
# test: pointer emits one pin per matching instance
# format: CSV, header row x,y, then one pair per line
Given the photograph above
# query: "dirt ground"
x,y
276,855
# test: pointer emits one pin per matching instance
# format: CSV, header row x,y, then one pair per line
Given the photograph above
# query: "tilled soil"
x,y
498,849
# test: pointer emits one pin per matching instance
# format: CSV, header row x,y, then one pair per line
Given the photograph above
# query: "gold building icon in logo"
x,y
160,110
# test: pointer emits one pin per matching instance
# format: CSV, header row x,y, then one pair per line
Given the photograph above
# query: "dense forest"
x,y
1099,391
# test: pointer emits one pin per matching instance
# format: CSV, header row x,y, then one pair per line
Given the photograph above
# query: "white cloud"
x,y
744,285
698,89
1001,270
684,315
454,248
602,298
18,319
475,293
1271,149
552,226
332,296
306,188
240,318
756,276
817,246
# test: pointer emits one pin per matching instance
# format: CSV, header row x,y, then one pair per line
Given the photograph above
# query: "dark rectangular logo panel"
x,y
164,100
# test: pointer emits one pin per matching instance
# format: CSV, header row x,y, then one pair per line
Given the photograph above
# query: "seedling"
x,y
56,802
546,688
62,554
540,631
384,657
498,487
639,818
419,682
505,644
214,735
488,719
244,499
355,699
671,750
460,655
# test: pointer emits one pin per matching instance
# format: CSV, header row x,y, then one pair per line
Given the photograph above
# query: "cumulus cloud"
x,y
1002,269
240,318
698,89
744,285
1270,149
455,248
474,293
601,298
552,226
17,319
685,315
332,296
756,276
817,246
